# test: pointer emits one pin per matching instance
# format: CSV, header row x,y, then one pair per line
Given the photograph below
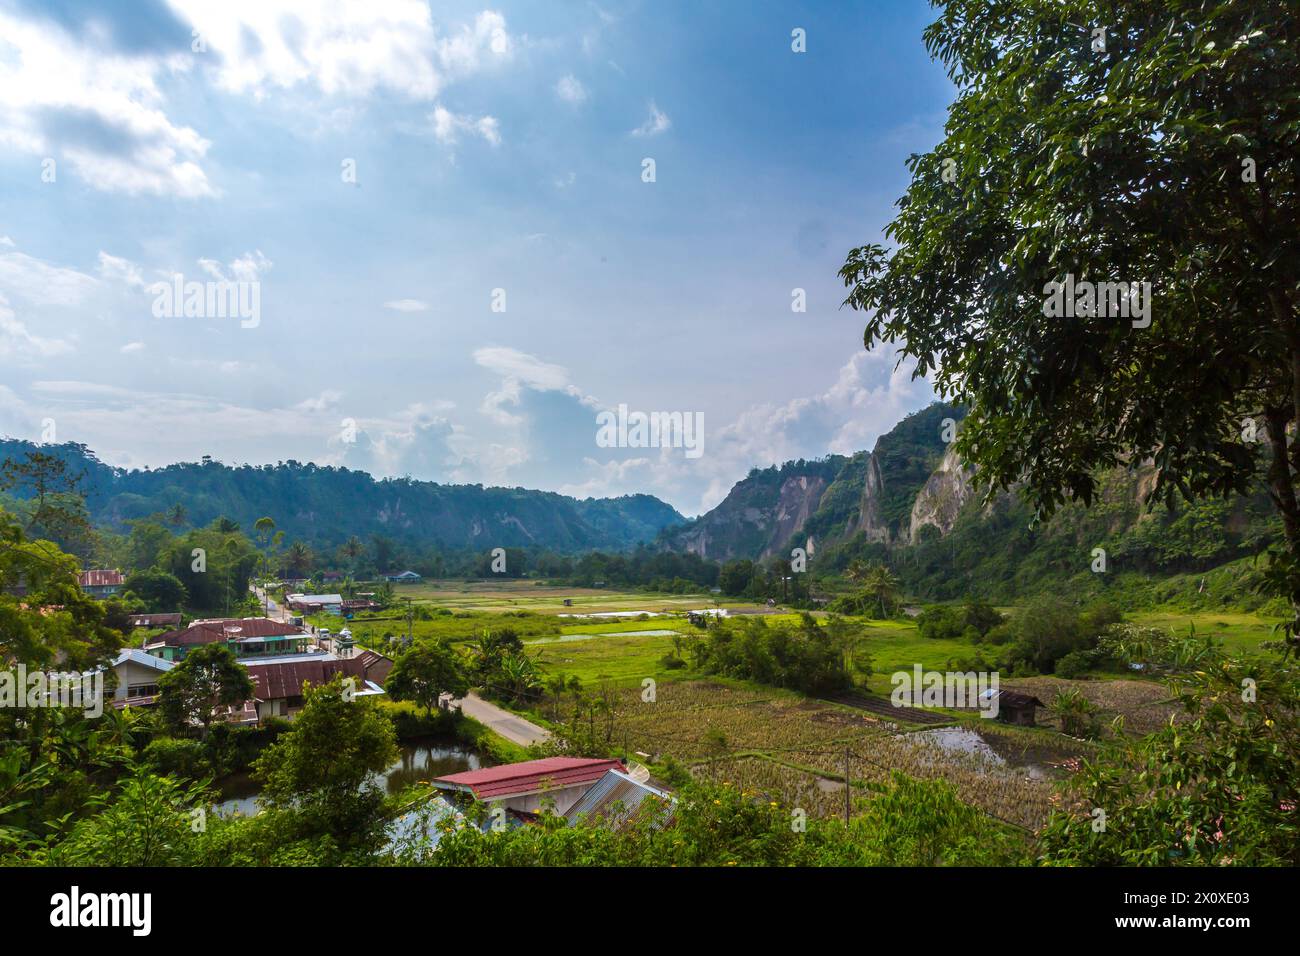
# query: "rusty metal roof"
x,y
100,579
228,628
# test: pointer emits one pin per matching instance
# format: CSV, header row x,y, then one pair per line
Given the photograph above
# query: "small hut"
x,y
1015,707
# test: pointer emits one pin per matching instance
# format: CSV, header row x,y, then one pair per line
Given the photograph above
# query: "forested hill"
x,y
326,505
910,502
826,501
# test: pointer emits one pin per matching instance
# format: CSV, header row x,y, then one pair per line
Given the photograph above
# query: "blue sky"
x,y
495,148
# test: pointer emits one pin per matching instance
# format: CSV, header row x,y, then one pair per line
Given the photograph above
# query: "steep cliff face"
x,y
761,513
824,503
871,521
942,497
797,502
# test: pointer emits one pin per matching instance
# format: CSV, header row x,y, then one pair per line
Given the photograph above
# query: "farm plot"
x,y
1143,704
793,748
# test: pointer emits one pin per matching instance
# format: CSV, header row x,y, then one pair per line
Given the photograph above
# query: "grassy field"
x,y
498,596
1238,631
797,750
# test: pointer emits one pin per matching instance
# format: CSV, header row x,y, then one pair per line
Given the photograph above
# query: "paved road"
x,y
510,726
274,611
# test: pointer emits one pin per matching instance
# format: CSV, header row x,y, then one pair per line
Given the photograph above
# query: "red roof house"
x,y
527,786
246,635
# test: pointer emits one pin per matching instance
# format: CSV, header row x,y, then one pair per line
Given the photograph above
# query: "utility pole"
x,y
848,800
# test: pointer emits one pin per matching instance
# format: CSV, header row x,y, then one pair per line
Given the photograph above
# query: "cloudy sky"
x,y
444,211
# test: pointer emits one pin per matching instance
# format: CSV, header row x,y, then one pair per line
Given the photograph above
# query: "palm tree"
x,y
298,559
856,571
353,548
176,515
881,584
264,527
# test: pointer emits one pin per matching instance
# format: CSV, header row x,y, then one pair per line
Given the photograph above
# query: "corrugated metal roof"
x,y
531,776
227,628
143,658
273,681
616,798
154,620
99,579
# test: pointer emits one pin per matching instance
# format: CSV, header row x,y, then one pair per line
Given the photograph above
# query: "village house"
x,y
100,584
616,799
278,685
169,620
137,675
401,577
527,787
313,603
246,636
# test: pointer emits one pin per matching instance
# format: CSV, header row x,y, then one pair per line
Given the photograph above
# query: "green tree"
x,y
426,671
264,528
882,585
1219,786
149,820
1167,155
159,590
1075,712
324,767
298,560
196,689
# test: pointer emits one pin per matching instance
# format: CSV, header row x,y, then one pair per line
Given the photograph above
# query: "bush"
x,y
178,757
1073,664
411,720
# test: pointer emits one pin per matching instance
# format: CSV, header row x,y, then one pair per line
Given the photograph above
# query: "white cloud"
x,y
40,283
116,269
131,347
511,363
570,90
407,305
656,123
342,47
447,126
100,114
246,268
17,343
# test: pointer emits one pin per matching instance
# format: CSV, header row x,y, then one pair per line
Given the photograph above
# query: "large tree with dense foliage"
x,y
426,671
196,689
325,766
1218,787
1162,150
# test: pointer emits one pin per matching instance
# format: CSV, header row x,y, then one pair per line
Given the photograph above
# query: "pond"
x,y
422,758
992,749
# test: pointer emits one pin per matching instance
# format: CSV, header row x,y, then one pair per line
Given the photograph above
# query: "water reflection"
x,y
421,759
